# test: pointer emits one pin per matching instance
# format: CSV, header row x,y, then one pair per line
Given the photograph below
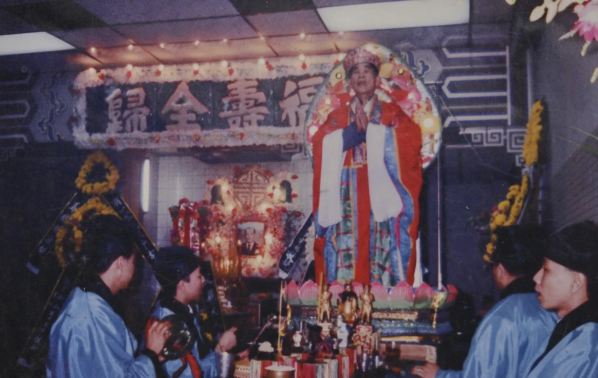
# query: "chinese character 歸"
x,y
136,113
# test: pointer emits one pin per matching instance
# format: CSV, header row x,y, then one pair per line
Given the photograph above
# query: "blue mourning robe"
x,y
89,339
572,349
506,341
207,364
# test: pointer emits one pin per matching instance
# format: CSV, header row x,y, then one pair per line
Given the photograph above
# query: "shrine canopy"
x,y
223,104
398,84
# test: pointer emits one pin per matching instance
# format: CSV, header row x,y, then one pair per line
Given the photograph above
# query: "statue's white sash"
x,y
329,211
384,197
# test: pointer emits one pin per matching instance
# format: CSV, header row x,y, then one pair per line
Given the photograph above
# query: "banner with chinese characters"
x,y
207,105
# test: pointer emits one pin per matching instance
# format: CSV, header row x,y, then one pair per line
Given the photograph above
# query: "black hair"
x,y
520,249
576,247
173,264
372,66
286,192
216,195
169,291
106,239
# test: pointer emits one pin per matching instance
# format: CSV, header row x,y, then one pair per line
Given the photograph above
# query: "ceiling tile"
x,y
10,24
285,23
249,7
121,56
56,15
338,3
17,2
158,10
94,37
187,31
311,45
212,51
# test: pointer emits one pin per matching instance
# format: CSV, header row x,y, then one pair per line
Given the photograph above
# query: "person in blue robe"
x,y
89,337
568,284
511,332
179,274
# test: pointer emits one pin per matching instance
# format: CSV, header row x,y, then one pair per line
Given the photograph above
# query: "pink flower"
x,y
587,25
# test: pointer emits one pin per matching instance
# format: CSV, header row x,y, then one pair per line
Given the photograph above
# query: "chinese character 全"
x,y
182,108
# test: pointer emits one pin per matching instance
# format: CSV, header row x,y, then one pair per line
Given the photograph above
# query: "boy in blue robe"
x,y
179,273
568,283
506,340
89,338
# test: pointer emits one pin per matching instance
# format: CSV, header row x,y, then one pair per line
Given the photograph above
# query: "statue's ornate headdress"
x,y
361,55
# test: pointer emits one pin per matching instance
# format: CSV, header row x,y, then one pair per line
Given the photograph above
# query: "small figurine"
x,y
342,332
326,328
315,342
366,305
325,305
297,338
348,306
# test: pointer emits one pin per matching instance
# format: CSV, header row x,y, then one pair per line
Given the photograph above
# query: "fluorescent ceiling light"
x,y
395,15
145,185
27,43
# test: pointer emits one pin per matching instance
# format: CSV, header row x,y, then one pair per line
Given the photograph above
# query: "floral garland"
x,y
97,161
508,211
532,135
69,237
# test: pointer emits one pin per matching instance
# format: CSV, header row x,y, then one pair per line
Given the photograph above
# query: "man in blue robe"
x,y
178,271
89,338
511,332
568,283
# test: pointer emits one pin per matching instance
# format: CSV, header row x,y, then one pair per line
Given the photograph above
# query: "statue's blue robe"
x,y
89,339
506,341
207,364
575,356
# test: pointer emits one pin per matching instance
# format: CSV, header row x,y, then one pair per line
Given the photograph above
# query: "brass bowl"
x,y
280,372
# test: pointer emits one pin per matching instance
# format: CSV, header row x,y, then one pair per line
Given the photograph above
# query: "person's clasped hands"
x,y
361,119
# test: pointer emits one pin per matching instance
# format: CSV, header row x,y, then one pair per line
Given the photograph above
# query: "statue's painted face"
x,y
363,79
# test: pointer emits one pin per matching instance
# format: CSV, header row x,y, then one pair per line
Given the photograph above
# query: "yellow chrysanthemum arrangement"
x,y
509,210
69,237
532,135
97,162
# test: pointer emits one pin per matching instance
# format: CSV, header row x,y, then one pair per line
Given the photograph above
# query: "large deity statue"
x,y
367,181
